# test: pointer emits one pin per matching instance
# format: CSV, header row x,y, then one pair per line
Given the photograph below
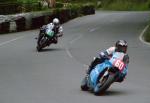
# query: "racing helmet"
x,y
56,21
121,46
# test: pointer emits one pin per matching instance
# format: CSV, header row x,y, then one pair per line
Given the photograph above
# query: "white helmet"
x,y
56,21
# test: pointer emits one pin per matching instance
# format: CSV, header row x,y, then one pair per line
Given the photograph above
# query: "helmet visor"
x,y
56,24
122,49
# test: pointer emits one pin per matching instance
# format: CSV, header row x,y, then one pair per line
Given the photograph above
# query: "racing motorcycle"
x,y
104,75
44,39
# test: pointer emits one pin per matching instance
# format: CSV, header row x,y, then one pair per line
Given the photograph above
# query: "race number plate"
x,y
119,64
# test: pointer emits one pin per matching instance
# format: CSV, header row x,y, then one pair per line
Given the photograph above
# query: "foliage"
x,y
138,5
147,35
27,1
7,1
15,1
59,5
77,1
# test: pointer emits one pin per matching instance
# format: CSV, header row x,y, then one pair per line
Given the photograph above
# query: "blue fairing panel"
x,y
95,72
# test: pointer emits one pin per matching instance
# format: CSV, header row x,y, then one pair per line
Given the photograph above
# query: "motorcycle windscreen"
x,y
50,33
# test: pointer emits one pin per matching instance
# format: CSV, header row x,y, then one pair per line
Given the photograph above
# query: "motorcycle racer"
x,y
54,27
120,46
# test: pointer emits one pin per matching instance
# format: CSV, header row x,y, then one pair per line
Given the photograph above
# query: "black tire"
x,y
41,42
38,48
99,89
84,86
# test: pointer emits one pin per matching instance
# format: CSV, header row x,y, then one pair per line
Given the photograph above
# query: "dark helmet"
x,y
121,46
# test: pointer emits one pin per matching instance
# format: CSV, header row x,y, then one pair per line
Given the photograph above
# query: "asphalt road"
x,y
54,75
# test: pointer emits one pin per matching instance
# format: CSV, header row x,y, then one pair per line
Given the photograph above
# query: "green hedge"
x,y
9,8
147,35
59,5
138,5
44,17
88,9
27,1
13,8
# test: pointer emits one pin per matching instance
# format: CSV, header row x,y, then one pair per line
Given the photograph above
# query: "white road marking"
x,y
141,36
71,42
93,29
6,42
68,52
113,20
74,40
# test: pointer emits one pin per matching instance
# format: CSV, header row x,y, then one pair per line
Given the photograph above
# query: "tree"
x,y
52,3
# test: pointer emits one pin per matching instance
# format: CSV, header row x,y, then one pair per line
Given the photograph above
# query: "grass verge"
x,y
126,5
147,35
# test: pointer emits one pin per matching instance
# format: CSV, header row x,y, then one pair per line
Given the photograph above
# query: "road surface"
x,y
54,75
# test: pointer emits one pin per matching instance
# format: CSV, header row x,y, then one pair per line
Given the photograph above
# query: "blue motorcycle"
x,y
104,74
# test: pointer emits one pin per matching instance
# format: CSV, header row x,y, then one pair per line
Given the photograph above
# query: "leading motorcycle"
x,y
44,39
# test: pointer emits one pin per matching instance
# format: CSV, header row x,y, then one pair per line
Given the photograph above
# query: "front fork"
x,y
103,78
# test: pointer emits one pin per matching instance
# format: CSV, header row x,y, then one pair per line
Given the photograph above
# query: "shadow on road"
x,y
51,49
113,93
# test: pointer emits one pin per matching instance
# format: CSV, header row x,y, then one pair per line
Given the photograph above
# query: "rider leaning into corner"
x,y
120,46
53,26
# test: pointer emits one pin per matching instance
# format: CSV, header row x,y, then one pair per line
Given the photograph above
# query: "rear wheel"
x,y
38,48
84,86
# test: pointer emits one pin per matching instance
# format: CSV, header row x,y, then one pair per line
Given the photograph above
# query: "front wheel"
x,y
42,42
39,42
102,87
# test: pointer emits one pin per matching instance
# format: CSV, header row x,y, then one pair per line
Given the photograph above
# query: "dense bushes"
x,y
37,19
8,8
13,8
126,4
27,1
88,9
147,35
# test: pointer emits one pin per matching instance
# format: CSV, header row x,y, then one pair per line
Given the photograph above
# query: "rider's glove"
x,y
103,55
